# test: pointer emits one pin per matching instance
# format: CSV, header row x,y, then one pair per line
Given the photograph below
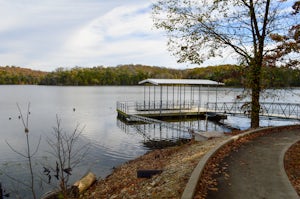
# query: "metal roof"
x,y
205,82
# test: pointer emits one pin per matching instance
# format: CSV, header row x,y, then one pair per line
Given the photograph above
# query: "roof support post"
x,y
199,99
144,97
184,96
161,89
216,98
207,98
154,97
191,97
173,96
167,97
180,98
149,99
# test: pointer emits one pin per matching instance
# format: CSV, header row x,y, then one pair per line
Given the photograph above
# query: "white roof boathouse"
x,y
165,99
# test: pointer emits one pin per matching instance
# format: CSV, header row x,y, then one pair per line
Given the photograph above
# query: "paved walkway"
x,y
256,169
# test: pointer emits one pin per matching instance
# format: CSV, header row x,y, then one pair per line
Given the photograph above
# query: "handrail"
x,y
130,107
269,109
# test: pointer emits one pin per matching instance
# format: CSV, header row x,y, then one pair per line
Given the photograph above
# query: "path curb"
x,y
191,186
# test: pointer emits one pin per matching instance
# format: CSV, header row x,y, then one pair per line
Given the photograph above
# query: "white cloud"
x,y
118,25
52,33
123,35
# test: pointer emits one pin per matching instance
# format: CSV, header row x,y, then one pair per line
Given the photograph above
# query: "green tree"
x,y
199,30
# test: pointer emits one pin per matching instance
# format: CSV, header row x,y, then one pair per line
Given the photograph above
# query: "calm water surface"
x,y
94,110
111,144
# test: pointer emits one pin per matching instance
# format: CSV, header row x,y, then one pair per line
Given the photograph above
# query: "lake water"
x,y
94,108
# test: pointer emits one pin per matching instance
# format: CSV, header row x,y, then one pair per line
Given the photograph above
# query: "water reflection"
x,y
158,135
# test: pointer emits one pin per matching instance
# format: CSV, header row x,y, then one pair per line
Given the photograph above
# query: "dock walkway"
x,y
267,109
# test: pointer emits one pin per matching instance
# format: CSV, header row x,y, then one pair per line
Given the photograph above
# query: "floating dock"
x,y
167,103
128,110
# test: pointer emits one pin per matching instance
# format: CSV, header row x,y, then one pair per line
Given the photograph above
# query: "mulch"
x,y
292,165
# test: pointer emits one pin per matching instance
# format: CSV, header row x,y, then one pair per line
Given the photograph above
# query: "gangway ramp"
x,y
169,125
268,109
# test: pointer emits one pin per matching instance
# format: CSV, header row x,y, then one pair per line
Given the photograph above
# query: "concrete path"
x,y
256,169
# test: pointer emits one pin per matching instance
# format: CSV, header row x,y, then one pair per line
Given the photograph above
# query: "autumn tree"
x,y
201,29
287,51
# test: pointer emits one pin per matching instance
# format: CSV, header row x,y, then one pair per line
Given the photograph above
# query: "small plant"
x,y
28,155
68,154
65,148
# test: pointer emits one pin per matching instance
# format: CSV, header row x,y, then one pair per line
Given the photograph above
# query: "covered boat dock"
x,y
168,99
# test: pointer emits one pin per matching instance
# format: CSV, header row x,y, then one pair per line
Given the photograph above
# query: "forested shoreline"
x,y
231,75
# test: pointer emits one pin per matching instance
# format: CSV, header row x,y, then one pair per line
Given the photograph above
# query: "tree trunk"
x,y
255,87
255,108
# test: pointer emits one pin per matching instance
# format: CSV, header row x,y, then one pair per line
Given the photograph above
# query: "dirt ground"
x,y
176,163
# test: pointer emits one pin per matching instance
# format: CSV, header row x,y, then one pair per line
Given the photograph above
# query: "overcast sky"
x,y
47,34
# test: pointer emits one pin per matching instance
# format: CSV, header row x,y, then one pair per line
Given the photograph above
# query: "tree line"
x,y
231,75
18,75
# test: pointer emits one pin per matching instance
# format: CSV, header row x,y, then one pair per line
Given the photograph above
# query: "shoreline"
x,y
176,163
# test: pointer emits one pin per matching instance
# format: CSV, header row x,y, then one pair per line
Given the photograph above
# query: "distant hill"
x,y
231,75
18,75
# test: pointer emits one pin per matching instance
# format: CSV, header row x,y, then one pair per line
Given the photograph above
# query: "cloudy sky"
x,y
46,34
